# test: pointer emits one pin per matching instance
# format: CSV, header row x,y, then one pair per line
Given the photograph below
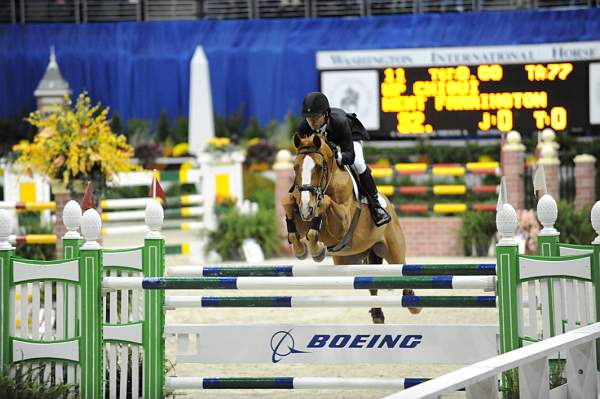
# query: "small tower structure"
x,y
52,89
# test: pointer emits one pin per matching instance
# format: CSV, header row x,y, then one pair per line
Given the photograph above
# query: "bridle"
x,y
324,181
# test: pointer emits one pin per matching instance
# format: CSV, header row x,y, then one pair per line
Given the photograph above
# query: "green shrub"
x,y
256,182
265,198
477,231
29,384
235,227
574,225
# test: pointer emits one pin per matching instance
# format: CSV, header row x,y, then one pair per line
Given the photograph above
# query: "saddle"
x,y
360,198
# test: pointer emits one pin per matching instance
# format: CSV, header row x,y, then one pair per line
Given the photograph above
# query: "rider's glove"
x,y
338,158
337,152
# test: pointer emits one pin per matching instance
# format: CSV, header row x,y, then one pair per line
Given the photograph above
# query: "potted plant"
x,y
74,145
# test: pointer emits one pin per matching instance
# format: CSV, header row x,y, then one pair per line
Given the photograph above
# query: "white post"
x,y
226,168
487,388
5,230
201,124
534,379
581,371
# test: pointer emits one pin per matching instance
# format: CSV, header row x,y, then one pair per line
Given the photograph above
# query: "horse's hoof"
x,y
409,292
321,256
304,253
377,315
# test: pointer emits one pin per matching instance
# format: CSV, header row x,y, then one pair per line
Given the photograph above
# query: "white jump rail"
x,y
481,379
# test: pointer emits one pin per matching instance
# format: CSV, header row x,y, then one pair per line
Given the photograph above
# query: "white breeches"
x,y
359,164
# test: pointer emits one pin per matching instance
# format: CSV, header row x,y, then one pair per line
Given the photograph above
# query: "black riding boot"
x,y
380,216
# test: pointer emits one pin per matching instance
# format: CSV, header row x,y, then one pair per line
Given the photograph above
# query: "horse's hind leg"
x,y
376,313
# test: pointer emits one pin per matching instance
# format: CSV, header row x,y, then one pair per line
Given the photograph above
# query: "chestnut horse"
x,y
322,206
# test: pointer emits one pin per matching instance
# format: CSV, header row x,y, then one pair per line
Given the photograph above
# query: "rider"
x,y
336,125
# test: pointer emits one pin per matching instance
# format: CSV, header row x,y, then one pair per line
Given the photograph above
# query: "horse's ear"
x,y
317,140
296,140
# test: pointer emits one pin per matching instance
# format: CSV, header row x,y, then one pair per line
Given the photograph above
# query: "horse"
x,y
322,207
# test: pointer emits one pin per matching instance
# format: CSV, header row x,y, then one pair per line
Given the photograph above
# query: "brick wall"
x,y
585,180
435,236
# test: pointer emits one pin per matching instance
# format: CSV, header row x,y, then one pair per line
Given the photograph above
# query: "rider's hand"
x,y
338,157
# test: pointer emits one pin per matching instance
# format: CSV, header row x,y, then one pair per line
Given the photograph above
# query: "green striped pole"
x,y
507,270
548,246
71,243
90,273
508,308
548,238
6,254
154,320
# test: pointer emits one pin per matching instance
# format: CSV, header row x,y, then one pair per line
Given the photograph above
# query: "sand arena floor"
x,y
245,316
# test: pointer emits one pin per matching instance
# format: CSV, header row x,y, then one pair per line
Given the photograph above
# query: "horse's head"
x,y
313,169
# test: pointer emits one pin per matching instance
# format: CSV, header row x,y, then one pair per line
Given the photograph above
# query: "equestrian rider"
x,y
337,126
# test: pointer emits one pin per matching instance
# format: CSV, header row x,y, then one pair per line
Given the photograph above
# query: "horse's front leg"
x,y
291,209
317,249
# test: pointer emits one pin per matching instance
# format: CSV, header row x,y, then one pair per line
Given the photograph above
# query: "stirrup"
x,y
378,218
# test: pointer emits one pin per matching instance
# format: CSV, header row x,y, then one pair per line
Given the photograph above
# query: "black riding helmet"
x,y
314,103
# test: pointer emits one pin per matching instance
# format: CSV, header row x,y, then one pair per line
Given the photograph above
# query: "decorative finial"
x,y
513,142
539,180
506,218
595,216
91,228
547,212
72,219
548,135
155,216
5,229
513,137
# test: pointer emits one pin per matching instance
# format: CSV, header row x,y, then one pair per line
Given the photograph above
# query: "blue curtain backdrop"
x,y
140,69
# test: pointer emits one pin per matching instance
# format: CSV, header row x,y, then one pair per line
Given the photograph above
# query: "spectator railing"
x,y
82,11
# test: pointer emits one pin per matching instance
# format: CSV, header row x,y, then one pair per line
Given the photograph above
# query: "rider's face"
x,y
315,122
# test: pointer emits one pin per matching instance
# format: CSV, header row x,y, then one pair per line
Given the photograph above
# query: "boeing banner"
x,y
337,344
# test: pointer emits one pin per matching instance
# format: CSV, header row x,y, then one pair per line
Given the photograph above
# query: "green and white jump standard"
x,y
104,333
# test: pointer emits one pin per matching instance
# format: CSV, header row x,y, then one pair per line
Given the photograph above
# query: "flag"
x,y
539,180
88,197
501,195
156,190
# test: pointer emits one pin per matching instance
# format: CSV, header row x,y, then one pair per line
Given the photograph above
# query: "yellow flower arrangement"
x,y
75,143
219,144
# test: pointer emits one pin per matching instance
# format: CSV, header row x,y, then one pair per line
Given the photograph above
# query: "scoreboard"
x,y
467,92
